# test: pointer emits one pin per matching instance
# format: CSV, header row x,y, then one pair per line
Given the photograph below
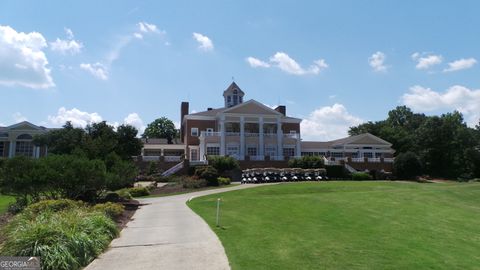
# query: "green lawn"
x,y
187,191
349,225
4,202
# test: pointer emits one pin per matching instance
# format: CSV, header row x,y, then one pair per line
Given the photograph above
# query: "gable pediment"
x,y
23,126
252,107
369,139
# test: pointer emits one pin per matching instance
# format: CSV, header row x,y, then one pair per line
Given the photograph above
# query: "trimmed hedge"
x,y
359,176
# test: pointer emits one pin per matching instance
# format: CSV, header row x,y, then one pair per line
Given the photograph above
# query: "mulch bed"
x,y
130,207
4,219
169,189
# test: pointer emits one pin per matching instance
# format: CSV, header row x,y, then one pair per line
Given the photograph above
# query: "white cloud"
x,y
457,97
77,117
22,59
289,65
460,64
254,62
97,70
134,119
204,42
377,62
18,117
68,45
328,123
425,60
145,28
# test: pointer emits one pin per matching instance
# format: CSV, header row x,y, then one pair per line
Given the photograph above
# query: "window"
x,y
368,154
232,150
2,148
289,152
240,99
235,92
355,155
235,99
193,154
24,149
252,151
270,150
194,132
229,99
377,155
209,131
337,154
25,137
213,151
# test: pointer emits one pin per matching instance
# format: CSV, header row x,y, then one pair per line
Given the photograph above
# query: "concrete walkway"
x,y
166,234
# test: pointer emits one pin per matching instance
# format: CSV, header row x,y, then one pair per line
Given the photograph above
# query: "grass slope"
x,y
4,202
349,225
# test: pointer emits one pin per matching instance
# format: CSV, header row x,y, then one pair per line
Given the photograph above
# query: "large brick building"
x,y
258,135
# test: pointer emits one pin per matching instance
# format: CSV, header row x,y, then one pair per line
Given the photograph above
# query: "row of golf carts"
x,y
270,175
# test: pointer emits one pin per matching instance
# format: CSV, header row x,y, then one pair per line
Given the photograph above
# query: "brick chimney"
x,y
183,112
282,109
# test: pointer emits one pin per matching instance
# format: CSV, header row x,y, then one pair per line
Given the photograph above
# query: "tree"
x,y
161,128
407,166
128,143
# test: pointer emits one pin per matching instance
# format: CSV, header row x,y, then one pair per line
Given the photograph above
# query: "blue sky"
x,y
332,63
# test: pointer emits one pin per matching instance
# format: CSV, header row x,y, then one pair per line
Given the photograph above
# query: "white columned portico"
x,y
222,135
242,137
260,137
279,138
11,149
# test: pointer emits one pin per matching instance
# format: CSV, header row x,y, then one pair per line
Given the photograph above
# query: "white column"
x,y
279,137
11,148
202,148
260,137
242,137
298,147
162,152
37,151
222,135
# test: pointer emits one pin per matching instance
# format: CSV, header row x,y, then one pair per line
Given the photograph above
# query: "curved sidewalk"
x,y
166,234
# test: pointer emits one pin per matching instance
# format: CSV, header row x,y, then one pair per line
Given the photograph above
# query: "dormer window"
x,y
235,92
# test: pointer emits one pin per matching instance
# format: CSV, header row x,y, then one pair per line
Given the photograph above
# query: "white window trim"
x,y
192,130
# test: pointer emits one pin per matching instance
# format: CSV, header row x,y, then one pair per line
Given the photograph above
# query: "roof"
x,y
232,87
211,112
24,124
364,138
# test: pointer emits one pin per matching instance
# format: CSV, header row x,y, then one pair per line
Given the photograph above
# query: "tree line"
x,y
444,145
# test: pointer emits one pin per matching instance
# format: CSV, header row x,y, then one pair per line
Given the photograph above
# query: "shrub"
x,y
152,168
53,205
358,176
223,164
209,173
336,171
67,239
306,162
113,210
124,194
120,173
223,181
113,197
193,182
407,166
133,192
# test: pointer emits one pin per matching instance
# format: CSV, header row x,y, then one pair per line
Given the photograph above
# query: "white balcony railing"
x,y
291,135
388,160
209,134
151,158
172,158
358,159
374,160
250,134
232,133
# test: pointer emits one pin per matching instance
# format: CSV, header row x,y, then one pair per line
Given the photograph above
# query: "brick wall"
x,y
202,125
